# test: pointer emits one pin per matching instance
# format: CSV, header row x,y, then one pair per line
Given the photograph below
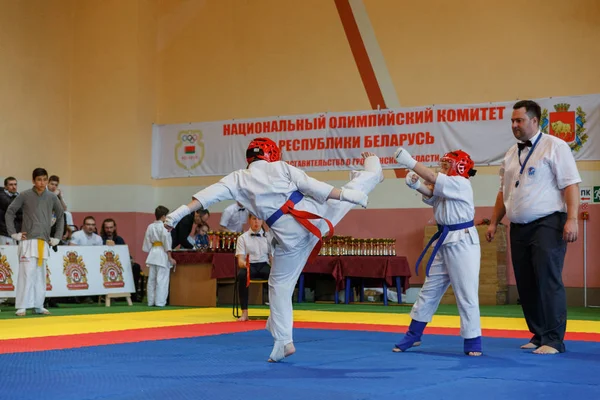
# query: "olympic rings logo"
x,y
189,138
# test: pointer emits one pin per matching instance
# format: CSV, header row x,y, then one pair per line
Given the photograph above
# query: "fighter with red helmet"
x,y
456,255
300,210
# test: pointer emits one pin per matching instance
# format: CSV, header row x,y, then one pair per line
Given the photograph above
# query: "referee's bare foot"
x,y
545,350
529,346
244,316
474,353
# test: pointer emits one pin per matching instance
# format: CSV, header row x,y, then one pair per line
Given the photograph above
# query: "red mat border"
x,y
218,328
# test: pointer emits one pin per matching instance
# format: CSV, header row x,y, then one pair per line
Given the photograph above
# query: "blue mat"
x,y
328,365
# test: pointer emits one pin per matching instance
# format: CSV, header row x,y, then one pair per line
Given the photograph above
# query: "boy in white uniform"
x,y
157,243
286,198
456,255
253,252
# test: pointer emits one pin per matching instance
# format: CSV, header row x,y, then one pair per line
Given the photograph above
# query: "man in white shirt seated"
x,y
254,248
86,236
234,217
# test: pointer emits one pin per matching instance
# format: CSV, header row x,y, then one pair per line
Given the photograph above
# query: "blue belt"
x,y
441,234
294,198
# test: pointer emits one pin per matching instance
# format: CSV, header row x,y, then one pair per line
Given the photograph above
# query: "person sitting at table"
x,y
253,248
199,236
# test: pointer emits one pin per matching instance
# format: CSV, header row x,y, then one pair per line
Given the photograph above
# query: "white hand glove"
x,y
404,158
354,196
409,181
54,242
173,219
17,236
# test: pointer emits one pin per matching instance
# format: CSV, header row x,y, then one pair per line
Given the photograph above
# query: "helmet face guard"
x,y
263,149
460,164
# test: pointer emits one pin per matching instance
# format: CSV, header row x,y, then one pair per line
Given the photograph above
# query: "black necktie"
x,y
256,234
523,145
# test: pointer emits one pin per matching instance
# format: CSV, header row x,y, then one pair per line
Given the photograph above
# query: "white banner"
x,y
74,271
334,141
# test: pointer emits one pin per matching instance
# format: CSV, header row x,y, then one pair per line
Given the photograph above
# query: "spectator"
x,y
108,233
6,197
86,236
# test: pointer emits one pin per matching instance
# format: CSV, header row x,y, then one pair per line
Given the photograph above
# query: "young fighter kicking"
x,y
456,255
288,200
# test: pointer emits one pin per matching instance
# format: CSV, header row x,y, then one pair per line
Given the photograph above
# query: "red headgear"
x,y
460,164
263,149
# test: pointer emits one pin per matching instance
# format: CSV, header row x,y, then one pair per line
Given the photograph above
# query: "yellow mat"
x,y
78,324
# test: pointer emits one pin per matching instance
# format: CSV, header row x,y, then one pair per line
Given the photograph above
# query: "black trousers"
x,y
257,271
538,255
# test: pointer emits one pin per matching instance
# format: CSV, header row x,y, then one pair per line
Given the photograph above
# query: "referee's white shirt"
x,y
549,170
258,247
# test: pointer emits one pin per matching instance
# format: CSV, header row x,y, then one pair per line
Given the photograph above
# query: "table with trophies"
x,y
348,260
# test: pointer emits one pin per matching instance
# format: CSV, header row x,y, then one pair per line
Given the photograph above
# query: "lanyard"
x,y
527,158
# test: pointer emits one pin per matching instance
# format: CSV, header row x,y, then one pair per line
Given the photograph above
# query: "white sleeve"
x,y
147,245
452,187
226,216
501,173
240,247
564,166
75,239
428,200
98,240
225,189
308,186
167,240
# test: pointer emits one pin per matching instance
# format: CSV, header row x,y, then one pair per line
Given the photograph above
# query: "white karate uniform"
x,y
263,188
457,261
31,281
158,263
234,217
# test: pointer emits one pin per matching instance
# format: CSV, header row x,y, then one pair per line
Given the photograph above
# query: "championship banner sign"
x,y
74,271
334,141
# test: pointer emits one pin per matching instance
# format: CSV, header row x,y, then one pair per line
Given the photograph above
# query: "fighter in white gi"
x,y
287,199
157,243
456,255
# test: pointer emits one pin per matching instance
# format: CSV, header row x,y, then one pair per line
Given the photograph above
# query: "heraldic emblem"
x,y
565,124
6,282
189,150
75,271
48,280
111,270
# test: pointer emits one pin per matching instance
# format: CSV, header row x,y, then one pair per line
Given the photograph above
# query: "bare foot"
x,y
244,316
288,350
545,350
397,350
474,353
20,313
529,346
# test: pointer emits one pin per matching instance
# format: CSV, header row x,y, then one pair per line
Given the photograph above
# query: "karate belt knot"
x,y
303,218
441,234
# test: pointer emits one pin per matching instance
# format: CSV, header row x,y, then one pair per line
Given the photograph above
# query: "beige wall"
x,y
35,69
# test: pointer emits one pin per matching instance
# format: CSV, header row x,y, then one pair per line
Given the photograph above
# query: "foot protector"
x,y
415,331
473,345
